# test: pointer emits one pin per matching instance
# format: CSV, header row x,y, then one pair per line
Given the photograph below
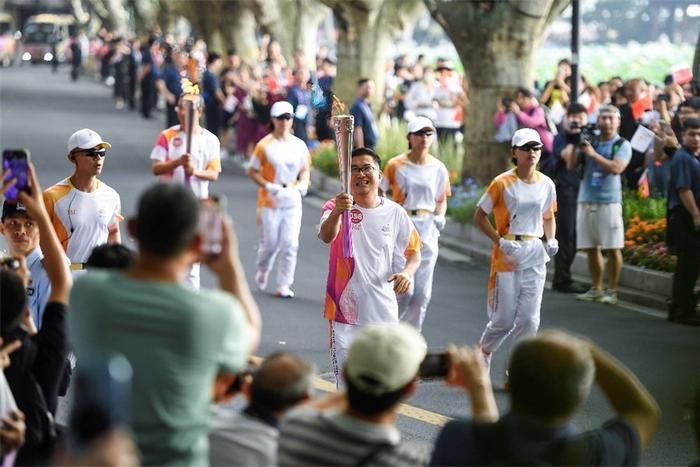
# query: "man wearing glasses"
x,y
599,224
362,290
84,211
523,202
280,167
421,184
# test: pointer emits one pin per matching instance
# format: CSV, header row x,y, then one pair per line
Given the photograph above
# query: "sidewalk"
x,y
637,285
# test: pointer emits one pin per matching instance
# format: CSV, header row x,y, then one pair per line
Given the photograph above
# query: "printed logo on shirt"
x,y
386,229
177,142
30,291
355,216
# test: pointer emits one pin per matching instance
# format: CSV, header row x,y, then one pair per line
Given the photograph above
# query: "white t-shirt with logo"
x,y
205,151
357,290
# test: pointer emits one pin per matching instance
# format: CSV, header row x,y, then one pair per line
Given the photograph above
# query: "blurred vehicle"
x,y
44,31
8,42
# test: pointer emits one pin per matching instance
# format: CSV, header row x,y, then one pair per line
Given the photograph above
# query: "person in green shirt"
x,y
179,341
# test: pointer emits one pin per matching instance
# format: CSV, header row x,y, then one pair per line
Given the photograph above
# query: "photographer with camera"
x,y
567,182
599,223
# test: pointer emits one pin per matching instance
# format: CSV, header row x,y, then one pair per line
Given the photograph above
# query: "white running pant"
x,y
341,336
517,299
413,305
279,233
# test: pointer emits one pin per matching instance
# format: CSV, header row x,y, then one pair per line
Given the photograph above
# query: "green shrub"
x,y
647,209
325,159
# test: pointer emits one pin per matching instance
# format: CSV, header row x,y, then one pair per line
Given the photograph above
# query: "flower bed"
x,y
645,222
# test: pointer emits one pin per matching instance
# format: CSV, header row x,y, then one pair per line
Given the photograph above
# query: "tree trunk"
x,y
144,15
239,30
365,29
496,42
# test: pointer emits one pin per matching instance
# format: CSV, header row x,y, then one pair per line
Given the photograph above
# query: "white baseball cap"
x,y
419,123
281,108
385,357
524,136
86,139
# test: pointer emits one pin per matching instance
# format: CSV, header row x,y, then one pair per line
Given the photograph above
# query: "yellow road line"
x,y
416,413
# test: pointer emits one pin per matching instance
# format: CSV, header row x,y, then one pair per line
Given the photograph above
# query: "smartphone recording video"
x,y
17,161
211,224
434,365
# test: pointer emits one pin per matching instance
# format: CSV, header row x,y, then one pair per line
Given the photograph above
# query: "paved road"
x,y
39,111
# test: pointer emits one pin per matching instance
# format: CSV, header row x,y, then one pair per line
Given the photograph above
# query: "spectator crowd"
x,y
148,353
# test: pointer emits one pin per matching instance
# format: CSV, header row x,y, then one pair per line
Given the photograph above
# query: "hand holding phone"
x,y
434,365
211,225
16,163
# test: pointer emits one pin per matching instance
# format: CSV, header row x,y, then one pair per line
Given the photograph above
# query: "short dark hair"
x,y
548,378
168,218
691,123
693,103
13,297
231,52
364,151
564,61
111,256
524,91
362,81
283,380
576,108
212,57
370,404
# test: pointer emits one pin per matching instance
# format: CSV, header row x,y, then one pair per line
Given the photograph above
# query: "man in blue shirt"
x,y
366,133
684,224
170,83
22,237
299,96
599,224
211,91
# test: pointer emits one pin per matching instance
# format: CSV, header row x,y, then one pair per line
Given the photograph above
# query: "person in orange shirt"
x,y
523,201
280,166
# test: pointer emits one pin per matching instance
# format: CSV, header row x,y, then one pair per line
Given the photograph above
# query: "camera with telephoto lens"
x,y
588,133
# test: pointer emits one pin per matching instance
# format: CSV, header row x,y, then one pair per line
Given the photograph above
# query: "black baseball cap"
x,y
10,209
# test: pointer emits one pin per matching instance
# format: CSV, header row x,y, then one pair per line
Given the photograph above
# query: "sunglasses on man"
x,y
531,147
284,117
101,152
424,133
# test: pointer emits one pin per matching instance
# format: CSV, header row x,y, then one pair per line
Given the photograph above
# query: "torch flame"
x,y
338,106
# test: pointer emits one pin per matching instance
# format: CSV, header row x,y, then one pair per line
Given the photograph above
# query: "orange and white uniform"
x,y
205,150
517,281
82,220
418,188
357,291
280,162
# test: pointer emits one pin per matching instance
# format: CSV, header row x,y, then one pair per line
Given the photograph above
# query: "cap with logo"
x,y
280,108
385,357
11,208
419,123
524,136
86,139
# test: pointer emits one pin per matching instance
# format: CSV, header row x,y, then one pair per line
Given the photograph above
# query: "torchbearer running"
x,y
361,289
523,201
420,183
280,166
189,154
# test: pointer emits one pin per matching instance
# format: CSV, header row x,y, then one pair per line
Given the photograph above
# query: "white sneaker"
x,y
609,297
261,279
284,292
593,295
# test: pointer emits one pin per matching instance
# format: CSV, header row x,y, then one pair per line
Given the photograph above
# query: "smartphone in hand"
x,y
17,161
211,224
434,365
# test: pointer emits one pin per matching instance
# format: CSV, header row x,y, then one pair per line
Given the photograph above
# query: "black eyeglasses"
x,y
284,117
424,133
365,169
92,152
531,147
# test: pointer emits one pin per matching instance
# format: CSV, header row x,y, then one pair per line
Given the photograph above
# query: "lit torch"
x,y
343,125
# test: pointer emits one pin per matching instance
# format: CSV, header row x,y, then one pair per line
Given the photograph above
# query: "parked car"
x,y
8,41
44,35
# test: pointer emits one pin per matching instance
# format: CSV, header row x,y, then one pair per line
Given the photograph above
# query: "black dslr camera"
x,y
588,133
